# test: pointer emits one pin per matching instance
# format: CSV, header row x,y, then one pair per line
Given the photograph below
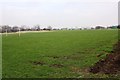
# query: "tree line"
x,y
7,28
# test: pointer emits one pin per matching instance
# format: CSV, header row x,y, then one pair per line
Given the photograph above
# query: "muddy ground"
x,y
109,65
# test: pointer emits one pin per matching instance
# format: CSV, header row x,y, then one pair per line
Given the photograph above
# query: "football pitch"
x,y
56,54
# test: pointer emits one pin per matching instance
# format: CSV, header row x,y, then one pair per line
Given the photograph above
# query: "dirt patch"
x,y
37,63
102,53
75,69
57,65
99,55
109,65
56,57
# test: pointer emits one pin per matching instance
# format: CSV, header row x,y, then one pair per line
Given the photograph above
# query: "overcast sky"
x,y
59,13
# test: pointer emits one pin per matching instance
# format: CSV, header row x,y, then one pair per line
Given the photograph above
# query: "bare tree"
x,y
37,27
49,28
6,28
15,29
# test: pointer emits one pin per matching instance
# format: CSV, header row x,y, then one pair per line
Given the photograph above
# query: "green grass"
x,y
74,50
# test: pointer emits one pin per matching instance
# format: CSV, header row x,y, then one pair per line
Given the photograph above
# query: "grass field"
x,y
57,54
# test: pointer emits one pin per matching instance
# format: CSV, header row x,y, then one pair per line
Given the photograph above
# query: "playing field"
x,y
55,54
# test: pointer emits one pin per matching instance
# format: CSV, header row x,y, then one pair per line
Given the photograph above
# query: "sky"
x,y
59,13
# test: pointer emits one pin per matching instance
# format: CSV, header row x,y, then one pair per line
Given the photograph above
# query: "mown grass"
x,y
57,54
